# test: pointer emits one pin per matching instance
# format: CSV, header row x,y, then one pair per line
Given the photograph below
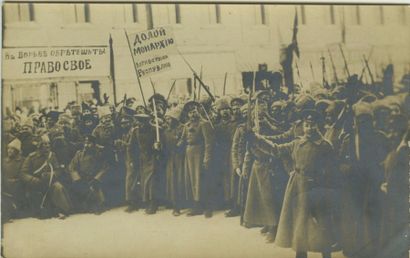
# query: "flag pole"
x,y
135,67
112,71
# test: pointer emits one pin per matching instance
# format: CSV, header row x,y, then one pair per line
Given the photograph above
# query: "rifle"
x,y
155,114
297,70
43,200
226,74
344,60
295,32
199,79
199,88
333,67
311,69
207,116
366,62
364,67
324,80
170,91
194,90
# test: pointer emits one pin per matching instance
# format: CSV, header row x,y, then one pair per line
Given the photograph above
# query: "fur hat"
x,y
222,104
16,144
103,111
175,113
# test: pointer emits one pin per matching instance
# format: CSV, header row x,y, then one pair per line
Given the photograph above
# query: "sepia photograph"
x,y
205,129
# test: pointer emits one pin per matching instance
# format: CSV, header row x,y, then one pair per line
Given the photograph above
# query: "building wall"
x,y
220,38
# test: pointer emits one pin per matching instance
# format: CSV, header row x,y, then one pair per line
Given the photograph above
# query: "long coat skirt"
x,y
307,222
197,138
175,177
148,166
193,167
265,190
260,208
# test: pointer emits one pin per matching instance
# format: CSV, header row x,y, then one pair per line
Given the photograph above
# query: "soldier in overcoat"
x,y
40,174
175,176
147,155
197,139
306,223
224,132
267,178
87,170
12,188
238,151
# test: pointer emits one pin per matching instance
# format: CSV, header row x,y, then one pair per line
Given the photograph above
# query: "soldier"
x,y
147,157
267,178
87,171
394,228
306,223
175,160
88,122
371,148
64,140
133,177
105,134
238,155
123,135
224,132
40,173
236,104
197,139
52,118
12,188
26,136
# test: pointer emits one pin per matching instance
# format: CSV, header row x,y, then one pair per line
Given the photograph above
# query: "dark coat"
x,y
197,138
266,188
36,172
148,166
395,209
224,133
175,176
12,185
238,151
306,222
84,168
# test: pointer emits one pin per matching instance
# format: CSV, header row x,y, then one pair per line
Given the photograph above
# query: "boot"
x,y
265,230
196,210
232,212
326,254
152,208
176,212
301,254
132,207
271,235
208,213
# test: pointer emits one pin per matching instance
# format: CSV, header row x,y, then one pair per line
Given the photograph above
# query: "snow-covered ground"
x,y
116,233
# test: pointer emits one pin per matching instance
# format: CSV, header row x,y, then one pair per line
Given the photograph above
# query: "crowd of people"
x,y
319,171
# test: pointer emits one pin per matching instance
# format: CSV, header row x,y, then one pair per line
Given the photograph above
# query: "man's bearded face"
x,y
193,114
106,120
225,113
125,123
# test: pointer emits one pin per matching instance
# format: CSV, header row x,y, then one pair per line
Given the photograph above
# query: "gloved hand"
x,y
238,171
157,146
119,144
45,178
384,188
94,184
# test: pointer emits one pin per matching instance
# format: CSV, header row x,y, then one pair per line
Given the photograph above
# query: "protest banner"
x,y
51,62
151,49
